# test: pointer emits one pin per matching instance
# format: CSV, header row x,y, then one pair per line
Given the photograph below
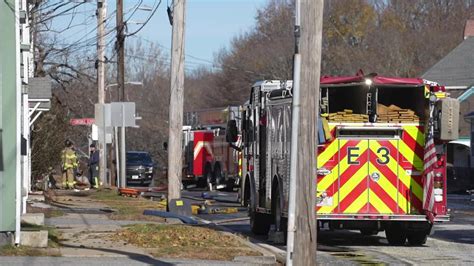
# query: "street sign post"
x,y
123,114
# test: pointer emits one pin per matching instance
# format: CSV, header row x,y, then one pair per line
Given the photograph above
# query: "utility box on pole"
x,y
122,115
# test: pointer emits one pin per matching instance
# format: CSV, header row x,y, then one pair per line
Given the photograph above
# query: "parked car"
x,y
140,168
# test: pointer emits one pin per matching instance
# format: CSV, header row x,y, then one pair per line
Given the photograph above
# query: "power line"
x,y
167,61
59,14
90,42
146,21
135,8
214,64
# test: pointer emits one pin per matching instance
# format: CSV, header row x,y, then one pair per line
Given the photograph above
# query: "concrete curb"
x,y
33,218
36,239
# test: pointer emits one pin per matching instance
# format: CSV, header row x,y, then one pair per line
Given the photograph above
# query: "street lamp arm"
x,y
136,83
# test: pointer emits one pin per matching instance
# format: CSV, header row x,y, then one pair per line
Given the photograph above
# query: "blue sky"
x,y
210,24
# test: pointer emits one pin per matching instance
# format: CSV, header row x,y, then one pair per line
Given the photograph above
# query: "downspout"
x,y
26,135
18,124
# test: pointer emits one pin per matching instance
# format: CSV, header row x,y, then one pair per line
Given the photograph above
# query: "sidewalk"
x,y
86,236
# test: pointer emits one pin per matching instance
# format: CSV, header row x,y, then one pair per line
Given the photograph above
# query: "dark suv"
x,y
139,167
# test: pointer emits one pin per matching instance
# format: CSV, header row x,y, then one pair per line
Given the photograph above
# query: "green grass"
x,y
106,194
182,241
53,213
127,208
10,250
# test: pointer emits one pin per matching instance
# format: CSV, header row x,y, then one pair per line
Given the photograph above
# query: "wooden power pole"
x,y
120,51
175,154
302,211
101,14
121,85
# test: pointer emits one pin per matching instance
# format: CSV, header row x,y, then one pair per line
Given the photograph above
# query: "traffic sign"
x,y
81,121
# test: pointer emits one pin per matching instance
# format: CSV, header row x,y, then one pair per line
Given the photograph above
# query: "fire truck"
x,y
371,136
211,151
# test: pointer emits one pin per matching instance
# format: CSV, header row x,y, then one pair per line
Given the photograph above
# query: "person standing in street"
x,y
94,166
69,164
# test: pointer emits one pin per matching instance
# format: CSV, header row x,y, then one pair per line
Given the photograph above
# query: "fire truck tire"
x,y
396,234
417,238
208,177
259,223
277,213
218,175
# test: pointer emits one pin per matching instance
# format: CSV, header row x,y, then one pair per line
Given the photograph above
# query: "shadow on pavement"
x,y
133,256
456,236
349,238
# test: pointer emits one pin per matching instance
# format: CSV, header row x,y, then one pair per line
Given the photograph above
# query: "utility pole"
x,y
121,83
101,14
175,154
301,246
120,51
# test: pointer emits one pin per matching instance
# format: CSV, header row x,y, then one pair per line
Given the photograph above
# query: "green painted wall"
x,y
7,115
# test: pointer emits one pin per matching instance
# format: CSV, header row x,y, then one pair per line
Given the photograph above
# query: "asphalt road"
x,y
451,244
107,261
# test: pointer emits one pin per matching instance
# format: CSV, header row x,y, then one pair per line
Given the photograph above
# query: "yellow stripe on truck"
x,y
342,193
385,184
328,153
341,167
410,155
402,176
358,203
355,180
378,203
416,134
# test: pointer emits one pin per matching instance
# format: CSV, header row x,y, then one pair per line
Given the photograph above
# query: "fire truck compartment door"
x,y
368,178
353,193
383,180
361,178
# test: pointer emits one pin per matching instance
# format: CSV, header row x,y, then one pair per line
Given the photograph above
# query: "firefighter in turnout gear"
x,y
69,165
94,166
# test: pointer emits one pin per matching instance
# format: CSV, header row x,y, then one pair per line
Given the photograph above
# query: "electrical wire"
x,y
135,8
59,14
213,64
90,42
146,21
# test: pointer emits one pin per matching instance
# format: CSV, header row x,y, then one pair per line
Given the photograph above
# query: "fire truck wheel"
x,y
396,234
259,223
208,178
218,175
278,220
417,238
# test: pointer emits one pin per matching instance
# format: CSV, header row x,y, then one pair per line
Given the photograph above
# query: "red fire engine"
x,y
211,153
370,158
